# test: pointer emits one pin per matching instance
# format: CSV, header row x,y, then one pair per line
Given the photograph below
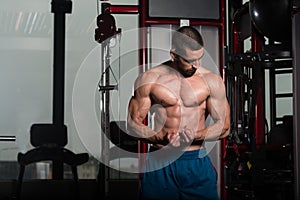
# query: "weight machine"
x,y
49,140
259,154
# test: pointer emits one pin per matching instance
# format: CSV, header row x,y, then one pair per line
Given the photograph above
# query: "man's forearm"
x,y
212,132
142,132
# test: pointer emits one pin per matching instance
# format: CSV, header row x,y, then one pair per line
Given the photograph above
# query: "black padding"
x,y
41,134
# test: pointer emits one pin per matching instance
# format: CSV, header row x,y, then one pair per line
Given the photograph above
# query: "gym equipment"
x,y
7,138
258,161
296,108
120,138
272,18
105,32
49,139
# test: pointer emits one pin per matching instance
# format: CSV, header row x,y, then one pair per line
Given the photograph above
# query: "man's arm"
x,y
137,112
138,108
218,108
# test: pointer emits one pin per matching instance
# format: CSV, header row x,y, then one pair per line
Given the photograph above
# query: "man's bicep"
x,y
219,109
217,100
138,108
217,104
215,108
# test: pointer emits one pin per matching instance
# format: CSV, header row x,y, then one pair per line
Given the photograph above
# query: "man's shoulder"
x,y
150,75
214,82
212,79
206,73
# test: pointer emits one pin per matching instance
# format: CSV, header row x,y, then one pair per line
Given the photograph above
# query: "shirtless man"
x,y
180,93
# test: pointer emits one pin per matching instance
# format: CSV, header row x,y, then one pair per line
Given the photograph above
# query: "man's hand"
x,y
180,139
173,138
186,136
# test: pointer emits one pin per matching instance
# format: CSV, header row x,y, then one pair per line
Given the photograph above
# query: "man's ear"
x,y
173,55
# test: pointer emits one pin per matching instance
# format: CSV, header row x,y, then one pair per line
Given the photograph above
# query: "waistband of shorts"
x,y
193,154
199,153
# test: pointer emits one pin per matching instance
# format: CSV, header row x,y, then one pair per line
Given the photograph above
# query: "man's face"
x,y
187,64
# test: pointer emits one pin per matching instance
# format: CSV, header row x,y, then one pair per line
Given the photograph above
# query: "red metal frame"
x,y
257,44
238,48
145,21
123,9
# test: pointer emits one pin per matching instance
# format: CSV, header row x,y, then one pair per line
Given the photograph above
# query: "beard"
x,y
188,72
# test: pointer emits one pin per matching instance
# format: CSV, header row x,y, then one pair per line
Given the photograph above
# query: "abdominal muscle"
x,y
168,119
177,104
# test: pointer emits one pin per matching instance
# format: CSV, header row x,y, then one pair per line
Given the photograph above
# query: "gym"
x,y
68,69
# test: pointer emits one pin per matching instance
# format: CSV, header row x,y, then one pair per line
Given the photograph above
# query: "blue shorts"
x,y
191,176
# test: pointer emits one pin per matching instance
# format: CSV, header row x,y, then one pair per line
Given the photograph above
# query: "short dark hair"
x,y
186,37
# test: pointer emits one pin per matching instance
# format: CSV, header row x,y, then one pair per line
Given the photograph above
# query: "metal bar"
x,y
223,142
296,107
58,67
143,58
7,138
151,21
59,8
272,92
124,9
284,95
105,119
257,43
284,71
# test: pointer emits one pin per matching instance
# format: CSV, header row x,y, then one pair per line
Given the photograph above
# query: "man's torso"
x,y
178,102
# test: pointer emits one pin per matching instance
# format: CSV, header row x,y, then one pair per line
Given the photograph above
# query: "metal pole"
x,y
59,8
7,138
105,120
296,107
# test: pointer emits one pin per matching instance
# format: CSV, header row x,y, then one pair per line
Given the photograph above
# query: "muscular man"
x,y
179,94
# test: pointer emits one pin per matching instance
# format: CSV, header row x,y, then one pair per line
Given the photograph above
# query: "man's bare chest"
x,y
171,91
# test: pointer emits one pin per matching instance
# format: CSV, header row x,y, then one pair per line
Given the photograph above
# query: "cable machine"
x,y
104,34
